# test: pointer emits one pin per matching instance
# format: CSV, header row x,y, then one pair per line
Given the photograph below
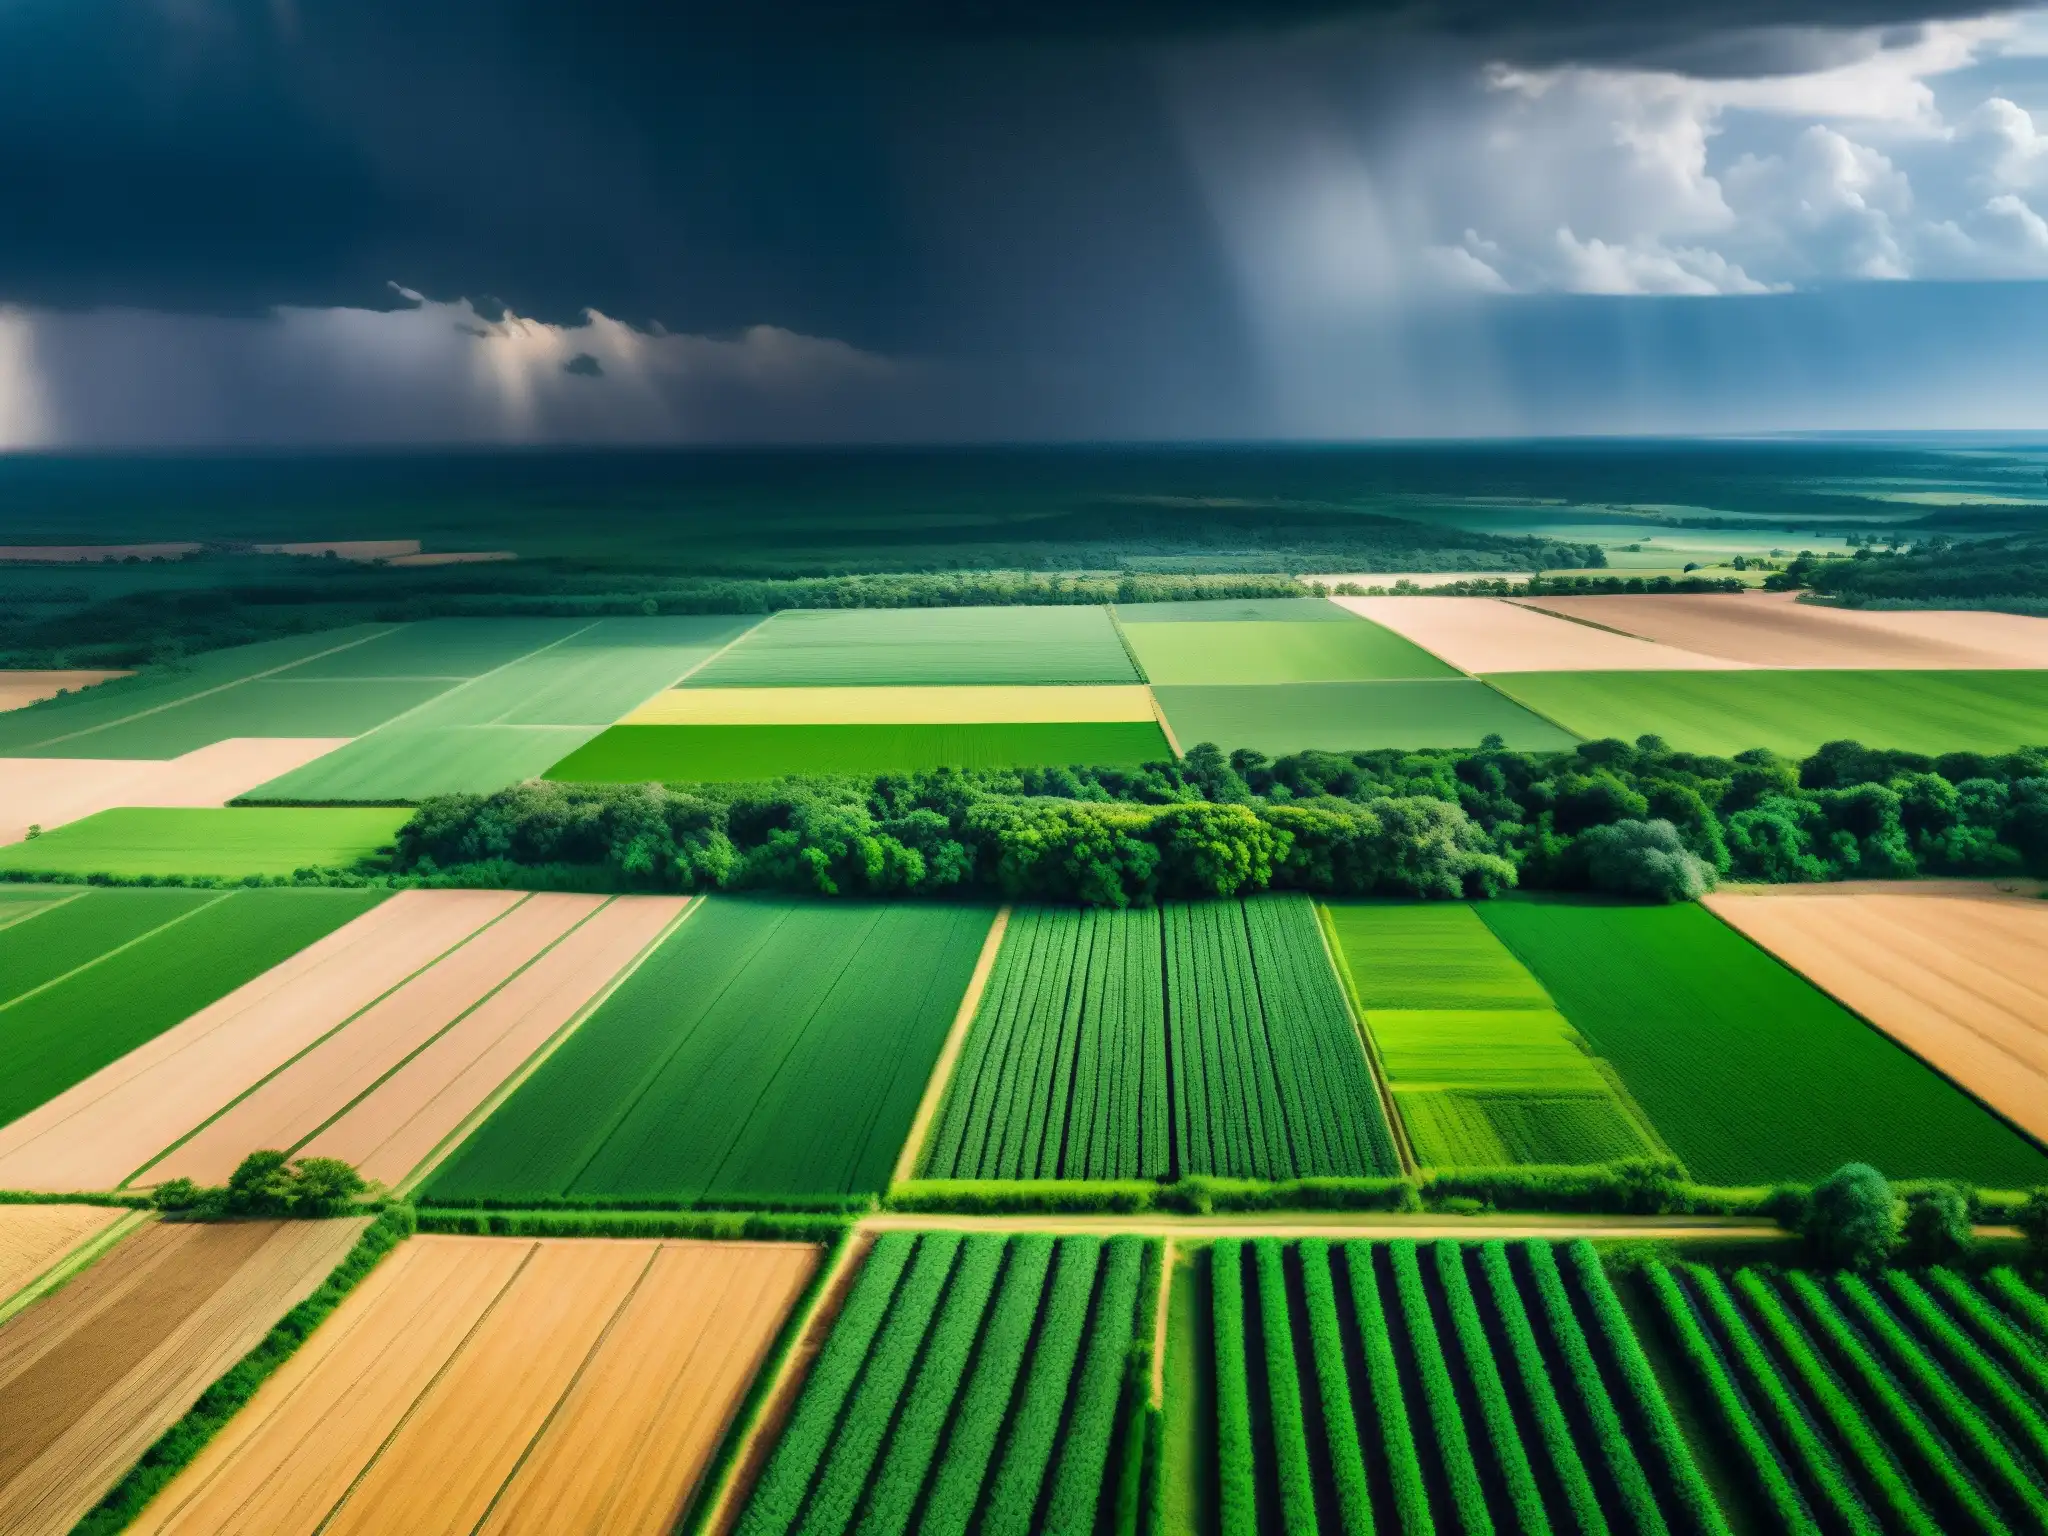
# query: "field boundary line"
x,y
1347,986
55,981
949,1053
1124,640
314,1045
207,693
533,1063
37,909
81,1255
1521,703
752,629
410,1056
1371,1225
1571,618
1165,725
728,1500
1159,1306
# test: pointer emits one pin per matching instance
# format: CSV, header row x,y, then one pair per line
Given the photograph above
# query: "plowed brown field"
x,y
389,1134
1489,634
501,1384
1960,981
34,1237
90,1376
50,791
1775,630
100,1131
303,1096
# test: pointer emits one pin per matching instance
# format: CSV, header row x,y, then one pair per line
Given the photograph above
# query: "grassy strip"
x,y
1908,1424
1283,1383
1236,1474
1438,1391
66,1268
1934,1390
1035,1426
1898,1504
175,1449
1551,1422
1326,1336
2021,1355
956,1487
1383,1374
779,1496
768,1226
1608,1429
1484,1374
1788,1511
1077,1477
1649,1408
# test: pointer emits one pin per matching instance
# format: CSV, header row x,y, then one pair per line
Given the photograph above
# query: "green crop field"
x,y
767,1048
440,650
970,1383
1794,713
87,982
509,723
1410,1387
1237,610
636,754
1895,1401
229,843
1354,717
1198,1038
1750,1074
824,647
1484,1071
1259,652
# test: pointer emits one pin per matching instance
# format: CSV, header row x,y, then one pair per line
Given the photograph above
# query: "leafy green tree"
x,y
1852,1220
1937,1227
1642,858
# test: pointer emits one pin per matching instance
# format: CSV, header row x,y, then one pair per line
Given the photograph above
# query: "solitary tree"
x,y
1853,1221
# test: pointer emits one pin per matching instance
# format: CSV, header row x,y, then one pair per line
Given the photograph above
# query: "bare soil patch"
x,y
1960,981
345,549
86,554
1484,635
35,1237
92,1375
50,791
19,688
100,1131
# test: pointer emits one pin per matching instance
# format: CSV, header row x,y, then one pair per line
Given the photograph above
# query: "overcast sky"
x,y
320,221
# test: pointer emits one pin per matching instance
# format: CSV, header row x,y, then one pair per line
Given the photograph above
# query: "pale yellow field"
x,y
1960,981
1492,635
503,1385
100,1131
34,1237
984,705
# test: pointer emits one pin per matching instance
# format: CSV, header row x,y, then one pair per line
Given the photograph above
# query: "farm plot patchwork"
x,y
1354,717
1436,1387
1262,652
970,1383
1196,1038
1794,713
220,842
1484,1071
1750,1074
501,1385
92,1375
1889,1402
766,1049
864,646
1957,980
49,792
1485,635
97,977
508,724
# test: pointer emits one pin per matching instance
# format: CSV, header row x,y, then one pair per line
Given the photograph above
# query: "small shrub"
x,y
1937,1227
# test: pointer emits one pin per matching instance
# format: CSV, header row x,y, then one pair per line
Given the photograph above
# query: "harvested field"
x,y
636,754
872,646
35,1237
120,1118
1776,630
1961,982
223,843
111,972
501,1385
1794,713
986,705
19,688
768,1047
1751,1074
390,1132
1263,652
353,1063
53,791
1485,635
90,1376
1351,717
